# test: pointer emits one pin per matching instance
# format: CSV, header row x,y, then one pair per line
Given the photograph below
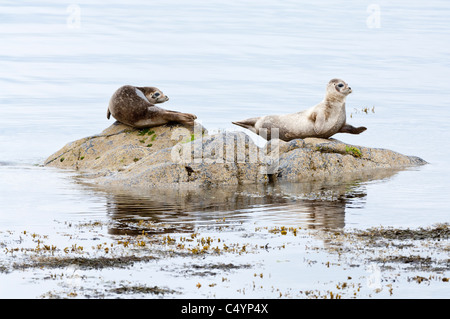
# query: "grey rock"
x,y
173,156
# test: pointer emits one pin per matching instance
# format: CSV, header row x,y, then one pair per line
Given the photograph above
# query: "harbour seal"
x,y
135,106
322,120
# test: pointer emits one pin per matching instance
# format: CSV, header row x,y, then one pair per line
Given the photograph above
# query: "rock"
x,y
119,146
170,156
322,158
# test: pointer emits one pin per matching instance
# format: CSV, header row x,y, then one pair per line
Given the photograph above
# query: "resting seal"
x,y
323,120
135,106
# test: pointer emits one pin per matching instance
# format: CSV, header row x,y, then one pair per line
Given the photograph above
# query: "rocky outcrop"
x,y
170,156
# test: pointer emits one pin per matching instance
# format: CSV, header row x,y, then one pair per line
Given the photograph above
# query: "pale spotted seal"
x,y
135,106
323,120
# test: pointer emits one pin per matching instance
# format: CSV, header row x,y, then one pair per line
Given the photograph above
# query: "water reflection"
x,y
319,205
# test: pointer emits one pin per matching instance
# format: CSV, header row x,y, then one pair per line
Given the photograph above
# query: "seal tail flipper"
x,y
248,124
108,114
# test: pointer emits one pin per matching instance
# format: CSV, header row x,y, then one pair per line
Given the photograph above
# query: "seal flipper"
x,y
347,128
108,114
319,123
249,124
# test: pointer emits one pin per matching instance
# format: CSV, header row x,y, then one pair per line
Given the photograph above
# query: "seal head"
x,y
338,88
151,94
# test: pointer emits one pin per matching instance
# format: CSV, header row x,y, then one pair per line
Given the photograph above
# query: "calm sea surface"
x,y
224,60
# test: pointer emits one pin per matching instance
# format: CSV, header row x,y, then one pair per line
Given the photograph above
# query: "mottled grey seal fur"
x,y
135,106
322,120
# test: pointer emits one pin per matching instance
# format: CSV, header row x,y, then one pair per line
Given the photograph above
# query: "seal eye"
x,y
157,94
340,85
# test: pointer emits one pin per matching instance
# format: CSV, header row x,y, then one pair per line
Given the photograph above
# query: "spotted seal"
x,y
135,106
322,120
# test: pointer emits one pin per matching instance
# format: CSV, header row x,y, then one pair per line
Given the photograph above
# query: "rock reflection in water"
x,y
318,205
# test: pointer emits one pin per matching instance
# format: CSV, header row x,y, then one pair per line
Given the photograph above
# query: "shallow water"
x,y
223,61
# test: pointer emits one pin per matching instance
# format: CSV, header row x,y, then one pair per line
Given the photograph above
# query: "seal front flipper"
x,y
108,114
319,123
249,124
347,128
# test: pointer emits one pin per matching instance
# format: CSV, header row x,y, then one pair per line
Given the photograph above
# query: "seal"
x,y
135,106
322,120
